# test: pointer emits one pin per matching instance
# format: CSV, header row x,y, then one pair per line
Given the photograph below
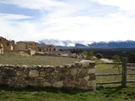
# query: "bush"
x,y
116,58
99,55
131,58
89,55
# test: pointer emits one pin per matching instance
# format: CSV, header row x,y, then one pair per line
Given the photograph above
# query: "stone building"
x,y
8,45
1,48
47,48
31,52
26,45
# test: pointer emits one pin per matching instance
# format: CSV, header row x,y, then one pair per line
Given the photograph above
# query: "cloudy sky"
x,y
90,20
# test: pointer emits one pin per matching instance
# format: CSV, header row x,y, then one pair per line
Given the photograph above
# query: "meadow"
x,y
24,59
112,69
113,92
53,94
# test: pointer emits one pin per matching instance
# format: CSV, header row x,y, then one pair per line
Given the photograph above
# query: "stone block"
x,y
47,84
19,73
74,71
86,78
33,73
58,84
91,71
83,72
71,85
87,63
42,74
91,83
92,76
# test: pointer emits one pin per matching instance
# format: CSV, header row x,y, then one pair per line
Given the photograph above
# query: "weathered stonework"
x,y
33,73
78,75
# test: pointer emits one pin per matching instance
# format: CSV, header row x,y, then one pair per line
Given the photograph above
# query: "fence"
x,y
123,74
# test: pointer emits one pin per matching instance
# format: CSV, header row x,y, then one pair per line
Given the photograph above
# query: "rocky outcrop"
x,y
78,75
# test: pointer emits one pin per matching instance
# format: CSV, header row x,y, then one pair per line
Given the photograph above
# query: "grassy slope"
x,y
35,60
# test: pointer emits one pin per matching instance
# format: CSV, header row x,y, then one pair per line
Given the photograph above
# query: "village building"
x,y
26,45
1,48
31,52
47,48
8,45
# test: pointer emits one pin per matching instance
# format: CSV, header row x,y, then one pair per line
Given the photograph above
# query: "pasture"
x,y
112,69
24,59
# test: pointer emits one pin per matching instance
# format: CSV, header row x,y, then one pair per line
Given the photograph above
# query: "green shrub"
x,y
89,55
131,58
99,55
116,58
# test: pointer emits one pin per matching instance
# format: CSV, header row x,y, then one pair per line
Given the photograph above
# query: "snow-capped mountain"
x,y
88,44
66,43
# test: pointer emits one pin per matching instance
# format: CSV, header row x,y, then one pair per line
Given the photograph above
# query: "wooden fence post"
x,y
124,72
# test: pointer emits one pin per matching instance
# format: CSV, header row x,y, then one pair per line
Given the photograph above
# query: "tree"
x,y
89,55
116,58
99,55
131,58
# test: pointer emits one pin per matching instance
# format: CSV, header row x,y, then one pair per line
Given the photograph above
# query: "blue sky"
x,y
88,20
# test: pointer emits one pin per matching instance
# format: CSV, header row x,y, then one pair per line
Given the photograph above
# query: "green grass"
x,y
107,69
35,60
112,69
53,94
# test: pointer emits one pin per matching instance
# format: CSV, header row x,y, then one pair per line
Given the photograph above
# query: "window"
x,y
8,44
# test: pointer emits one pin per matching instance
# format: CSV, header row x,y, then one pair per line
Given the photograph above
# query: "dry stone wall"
x,y
78,75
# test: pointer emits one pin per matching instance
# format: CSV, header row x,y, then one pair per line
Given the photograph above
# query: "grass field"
x,y
52,94
112,69
103,92
35,60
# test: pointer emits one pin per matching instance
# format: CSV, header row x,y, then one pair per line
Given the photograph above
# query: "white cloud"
x,y
71,4
35,4
122,4
13,16
62,23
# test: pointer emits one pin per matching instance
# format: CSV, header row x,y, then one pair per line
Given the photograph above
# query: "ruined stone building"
x,y
26,45
47,48
1,48
8,45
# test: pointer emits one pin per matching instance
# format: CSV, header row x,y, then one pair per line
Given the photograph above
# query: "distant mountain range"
x,y
88,44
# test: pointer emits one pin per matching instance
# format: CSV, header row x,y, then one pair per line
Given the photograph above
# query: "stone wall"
x,y
78,75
